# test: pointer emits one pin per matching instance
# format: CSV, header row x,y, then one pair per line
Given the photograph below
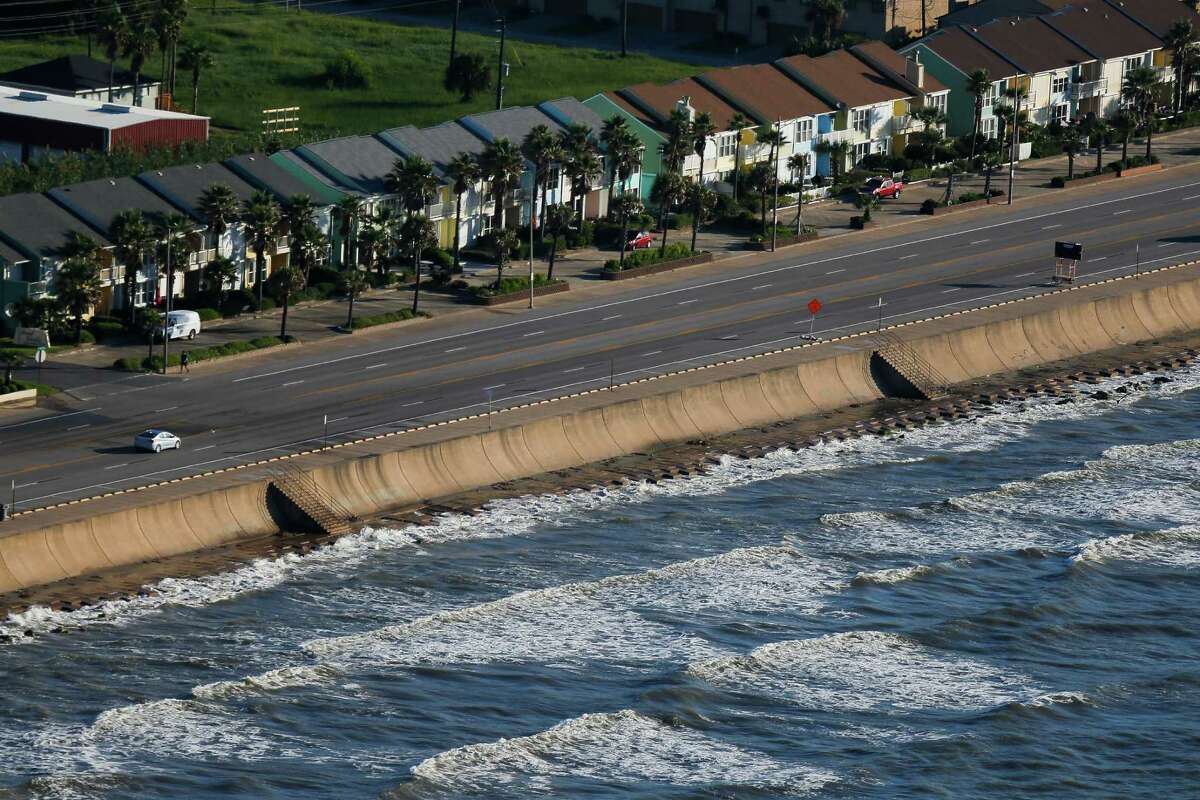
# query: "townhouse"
x,y
657,102
569,111
14,266
607,105
772,99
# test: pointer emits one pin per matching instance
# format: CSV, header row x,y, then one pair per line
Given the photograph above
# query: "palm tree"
x,y
138,46
174,246
298,213
678,141
169,23
112,33
501,165
414,182
669,189
349,210
288,281
558,219
838,152
979,85
1180,39
798,164
463,172
702,129
131,237
371,240
220,208
583,168
1101,132
1138,92
221,273
77,280
261,216
506,242
622,149
774,139
197,58
626,206
1071,145
1124,125
738,123
415,235
826,17
542,150
354,283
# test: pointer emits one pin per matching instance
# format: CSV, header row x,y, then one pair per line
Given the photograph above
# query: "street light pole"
x,y
532,212
167,304
500,66
775,192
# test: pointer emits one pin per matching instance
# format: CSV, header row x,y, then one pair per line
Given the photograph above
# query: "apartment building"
x,y
656,102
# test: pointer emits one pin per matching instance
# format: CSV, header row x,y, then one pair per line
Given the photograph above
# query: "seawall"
x,y
416,466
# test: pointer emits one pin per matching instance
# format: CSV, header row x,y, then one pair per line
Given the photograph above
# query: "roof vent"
x,y
115,108
32,96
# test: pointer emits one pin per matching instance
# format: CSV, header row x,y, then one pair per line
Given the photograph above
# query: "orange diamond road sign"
x,y
814,306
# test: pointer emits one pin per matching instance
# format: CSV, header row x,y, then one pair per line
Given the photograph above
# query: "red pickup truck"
x,y
883,187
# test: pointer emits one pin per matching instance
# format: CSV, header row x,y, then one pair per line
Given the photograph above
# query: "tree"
x,y
738,123
760,181
288,281
1100,132
298,214
501,165
174,246
132,237
626,206
261,216
580,161
221,273
112,33
838,152
542,150
1124,125
468,74
774,140
1138,92
412,179
138,46
558,219
991,160
677,142
702,201
371,241
77,281
349,210
622,150
196,58
1180,39
354,283
979,85
702,129
826,17
414,236
463,172
506,242
669,189
798,164
866,201
168,25
219,207
1071,145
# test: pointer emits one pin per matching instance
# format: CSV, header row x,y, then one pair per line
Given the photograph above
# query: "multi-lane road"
x,y
462,363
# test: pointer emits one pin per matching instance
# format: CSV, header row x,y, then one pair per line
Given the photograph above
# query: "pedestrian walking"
x,y
183,362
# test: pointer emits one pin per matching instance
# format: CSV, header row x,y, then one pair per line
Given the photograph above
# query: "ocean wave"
x,y
598,620
272,681
174,728
894,575
1176,547
864,671
624,747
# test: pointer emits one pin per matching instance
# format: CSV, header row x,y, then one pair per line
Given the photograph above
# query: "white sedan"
x,y
157,440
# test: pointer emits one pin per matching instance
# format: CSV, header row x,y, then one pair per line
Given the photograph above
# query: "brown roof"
x,y
1102,30
763,92
659,100
842,77
631,109
968,54
876,53
1031,44
1157,15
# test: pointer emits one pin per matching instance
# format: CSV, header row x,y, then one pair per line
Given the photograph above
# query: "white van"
x,y
183,324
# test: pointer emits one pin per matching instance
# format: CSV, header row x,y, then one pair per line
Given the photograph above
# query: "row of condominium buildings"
x,y
1069,59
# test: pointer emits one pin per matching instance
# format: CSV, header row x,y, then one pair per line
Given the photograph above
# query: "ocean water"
x,y
1005,607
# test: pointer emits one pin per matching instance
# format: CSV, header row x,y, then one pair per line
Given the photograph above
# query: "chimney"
x,y
914,71
685,105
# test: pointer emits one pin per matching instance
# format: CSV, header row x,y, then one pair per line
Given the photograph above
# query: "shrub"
x,y
1058,182
347,70
642,258
678,220
917,174
266,341
929,206
104,329
582,237
383,319
510,286
267,304
128,364
208,314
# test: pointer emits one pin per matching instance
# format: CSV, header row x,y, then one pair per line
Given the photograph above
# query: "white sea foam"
x,y
175,728
623,747
888,577
272,681
1175,547
865,671
598,620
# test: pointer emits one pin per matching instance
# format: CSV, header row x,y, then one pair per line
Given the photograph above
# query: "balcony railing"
x,y
1085,89
848,135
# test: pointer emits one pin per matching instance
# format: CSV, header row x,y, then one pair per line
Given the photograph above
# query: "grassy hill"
x,y
268,58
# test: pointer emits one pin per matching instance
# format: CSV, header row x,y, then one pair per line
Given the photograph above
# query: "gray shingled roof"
x,y
10,256
259,170
99,201
37,225
358,162
184,185
438,144
576,112
511,123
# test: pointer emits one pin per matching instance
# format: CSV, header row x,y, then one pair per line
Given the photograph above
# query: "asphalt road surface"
x,y
464,363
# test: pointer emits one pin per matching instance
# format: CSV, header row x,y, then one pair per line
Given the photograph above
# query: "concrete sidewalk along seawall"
x,y
411,467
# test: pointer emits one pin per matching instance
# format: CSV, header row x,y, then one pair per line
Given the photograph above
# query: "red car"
x,y
640,242
883,187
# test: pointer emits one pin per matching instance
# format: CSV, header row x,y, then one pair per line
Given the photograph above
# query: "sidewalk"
x,y
317,321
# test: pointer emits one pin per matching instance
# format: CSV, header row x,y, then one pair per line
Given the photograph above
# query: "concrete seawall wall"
x,y
961,347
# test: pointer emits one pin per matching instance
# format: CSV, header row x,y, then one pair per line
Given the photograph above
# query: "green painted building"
x,y
607,106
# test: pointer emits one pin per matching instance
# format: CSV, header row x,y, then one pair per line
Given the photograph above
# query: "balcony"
x,y
849,135
1085,89
439,210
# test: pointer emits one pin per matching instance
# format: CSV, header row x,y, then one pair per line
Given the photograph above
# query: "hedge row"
x,y
358,323
510,286
651,255
196,355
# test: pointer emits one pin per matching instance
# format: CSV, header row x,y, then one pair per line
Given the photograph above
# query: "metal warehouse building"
x,y
34,125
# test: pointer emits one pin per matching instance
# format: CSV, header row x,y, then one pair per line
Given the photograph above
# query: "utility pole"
x,y
454,30
167,303
532,211
624,28
500,69
775,192
1016,136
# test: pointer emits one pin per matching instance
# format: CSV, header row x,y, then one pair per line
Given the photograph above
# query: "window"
x,y
804,130
727,145
862,120
987,126
861,151
1060,112
1130,64
995,94
884,146
937,101
1058,83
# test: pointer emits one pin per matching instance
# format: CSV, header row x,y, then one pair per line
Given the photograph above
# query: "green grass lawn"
x,y
268,58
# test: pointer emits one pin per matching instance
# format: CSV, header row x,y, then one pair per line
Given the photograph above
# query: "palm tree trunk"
x,y
553,253
800,210
195,91
417,284
137,97
260,271
1149,134
662,248
1125,148
283,320
1099,155
763,206
737,166
350,313
1070,165
625,237
457,227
